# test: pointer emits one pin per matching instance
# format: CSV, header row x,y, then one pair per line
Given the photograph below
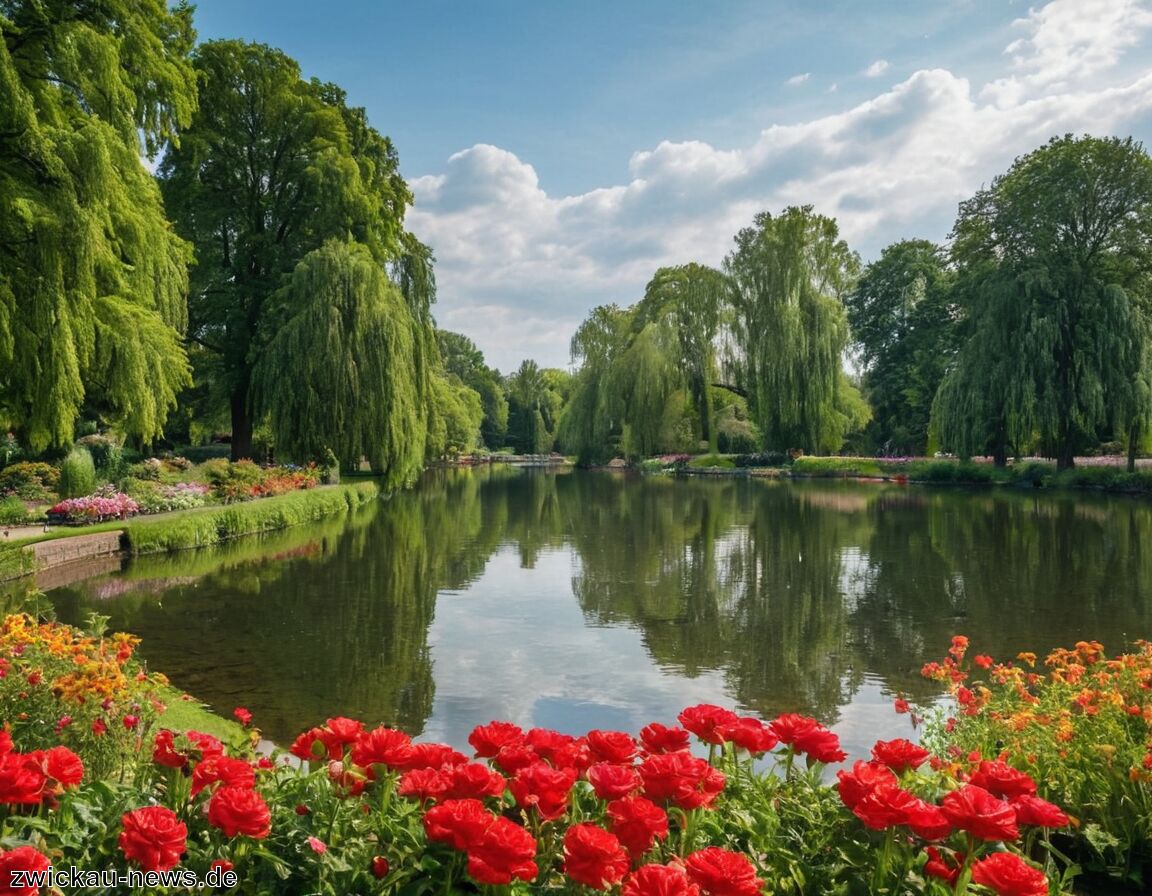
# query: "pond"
x,y
578,600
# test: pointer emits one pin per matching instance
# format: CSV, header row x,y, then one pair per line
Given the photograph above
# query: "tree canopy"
x,y
93,281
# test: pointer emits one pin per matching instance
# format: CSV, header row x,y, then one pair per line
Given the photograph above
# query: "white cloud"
x,y
876,69
797,80
519,269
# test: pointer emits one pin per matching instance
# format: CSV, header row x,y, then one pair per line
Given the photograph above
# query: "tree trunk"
x,y
1065,458
241,423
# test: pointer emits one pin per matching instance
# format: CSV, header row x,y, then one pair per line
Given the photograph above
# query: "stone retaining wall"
x,y
79,547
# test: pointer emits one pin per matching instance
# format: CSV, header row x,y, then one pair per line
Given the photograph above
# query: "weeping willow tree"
x,y
338,374
93,281
788,330
690,299
1054,259
589,428
641,381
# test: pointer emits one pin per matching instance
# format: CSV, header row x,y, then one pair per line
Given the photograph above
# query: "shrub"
x,y
32,481
107,504
13,511
711,461
77,474
106,455
763,459
835,466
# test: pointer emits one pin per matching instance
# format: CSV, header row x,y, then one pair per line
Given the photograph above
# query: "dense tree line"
x,y
263,283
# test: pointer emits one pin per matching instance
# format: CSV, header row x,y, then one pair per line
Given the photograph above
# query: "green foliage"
x,y
712,462
77,474
30,480
15,561
534,407
100,277
13,512
836,466
788,275
462,359
212,525
341,372
1053,263
107,455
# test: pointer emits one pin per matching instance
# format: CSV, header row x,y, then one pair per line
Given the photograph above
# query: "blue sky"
x,y
561,152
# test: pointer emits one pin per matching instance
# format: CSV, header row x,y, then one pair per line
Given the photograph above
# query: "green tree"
x,y
589,427
901,323
337,373
271,167
788,276
691,296
1054,260
93,281
536,400
463,359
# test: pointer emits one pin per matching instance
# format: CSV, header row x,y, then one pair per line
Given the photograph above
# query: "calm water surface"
x,y
579,600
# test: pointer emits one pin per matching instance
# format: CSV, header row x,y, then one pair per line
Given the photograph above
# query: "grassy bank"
x,y
212,525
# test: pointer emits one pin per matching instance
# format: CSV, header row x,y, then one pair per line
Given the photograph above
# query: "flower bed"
x,y
106,504
716,805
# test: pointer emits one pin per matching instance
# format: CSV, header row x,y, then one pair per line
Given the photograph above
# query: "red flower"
x,y
928,821
899,755
221,865
1032,810
659,880
544,788
63,766
707,722
658,738
318,846
344,731
380,867
473,781
433,756
974,809
222,770
311,746
513,757
612,746
389,747
886,806
347,780
99,727
901,705
503,851
22,779
458,823
153,837
751,734
937,867
205,743
593,857
239,810
164,750
686,780
24,859
637,822
243,716
131,721
1001,779
1009,875
806,735
423,784
719,872
858,783
610,782
487,740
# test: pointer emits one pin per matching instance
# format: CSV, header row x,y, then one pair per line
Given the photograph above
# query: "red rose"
x,y
719,872
473,781
222,770
343,731
593,856
858,783
239,810
1009,875
22,858
612,746
164,750
707,721
1032,810
63,766
806,735
487,740
458,823
153,837
433,756
658,738
547,743
899,755
423,784
1000,779
544,788
503,851
885,806
974,809
637,822
22,779
686,780
610,782
928,821
750,734
659,880
389,747
513,757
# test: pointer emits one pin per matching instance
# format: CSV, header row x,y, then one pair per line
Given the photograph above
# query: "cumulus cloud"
x,y
876,69
797,80
519,269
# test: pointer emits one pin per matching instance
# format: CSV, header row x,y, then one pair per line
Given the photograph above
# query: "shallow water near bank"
x,y
581,600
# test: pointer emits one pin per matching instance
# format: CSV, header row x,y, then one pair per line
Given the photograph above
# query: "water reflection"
x,y
578,600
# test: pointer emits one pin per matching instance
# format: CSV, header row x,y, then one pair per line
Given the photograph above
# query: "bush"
x,y
107,455
763,459
77,474
711,462
835,466
32,481
13,511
